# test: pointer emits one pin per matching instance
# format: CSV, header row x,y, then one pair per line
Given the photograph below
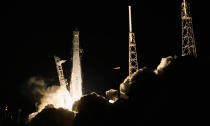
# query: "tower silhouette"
x,y
133,63
188,40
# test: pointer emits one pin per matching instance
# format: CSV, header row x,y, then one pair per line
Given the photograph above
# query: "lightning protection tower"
x,y
133,63
188,40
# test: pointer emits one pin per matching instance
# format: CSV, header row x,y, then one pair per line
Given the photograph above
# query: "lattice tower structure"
x,y
188,39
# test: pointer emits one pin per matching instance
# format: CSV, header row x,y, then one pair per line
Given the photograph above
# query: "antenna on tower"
x,y
130,19
188,40
133,63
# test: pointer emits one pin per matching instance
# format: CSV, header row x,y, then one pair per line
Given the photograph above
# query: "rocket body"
x,y
76,75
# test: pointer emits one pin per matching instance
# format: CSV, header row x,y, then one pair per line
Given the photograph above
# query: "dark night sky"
x,y
34,31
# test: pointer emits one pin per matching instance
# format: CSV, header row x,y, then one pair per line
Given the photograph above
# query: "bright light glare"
x,y
111,101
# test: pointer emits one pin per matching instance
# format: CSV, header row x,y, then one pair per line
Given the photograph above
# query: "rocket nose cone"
x,y
76,29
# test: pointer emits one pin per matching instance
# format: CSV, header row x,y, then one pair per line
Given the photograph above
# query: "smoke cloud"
x,y
44,95
112,95
35,88
93,110
124,87
57,96
51,116
175,93
164,64
92,102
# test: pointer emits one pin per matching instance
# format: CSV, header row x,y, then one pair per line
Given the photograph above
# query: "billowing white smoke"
x,y
36,88
58,96
125,85
112,95
165,62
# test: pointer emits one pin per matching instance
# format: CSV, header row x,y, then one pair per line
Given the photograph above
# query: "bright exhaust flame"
x,y
59,96
76,82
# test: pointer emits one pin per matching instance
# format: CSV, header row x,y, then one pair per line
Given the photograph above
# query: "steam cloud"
x,y
35,88
112,95
50,116
58,96
175,93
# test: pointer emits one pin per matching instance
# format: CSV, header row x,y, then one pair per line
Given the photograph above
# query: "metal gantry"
x,y
61,77
188,40
133,63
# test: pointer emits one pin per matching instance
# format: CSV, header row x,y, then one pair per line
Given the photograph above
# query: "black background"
x,y
32,32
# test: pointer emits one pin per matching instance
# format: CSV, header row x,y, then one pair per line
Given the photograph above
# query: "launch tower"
x,y
188,40
133,63
61,78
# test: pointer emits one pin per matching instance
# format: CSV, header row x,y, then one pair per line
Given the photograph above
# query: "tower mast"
x,y
133,63
188,40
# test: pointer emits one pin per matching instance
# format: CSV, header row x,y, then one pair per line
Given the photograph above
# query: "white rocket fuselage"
x,y
76,75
